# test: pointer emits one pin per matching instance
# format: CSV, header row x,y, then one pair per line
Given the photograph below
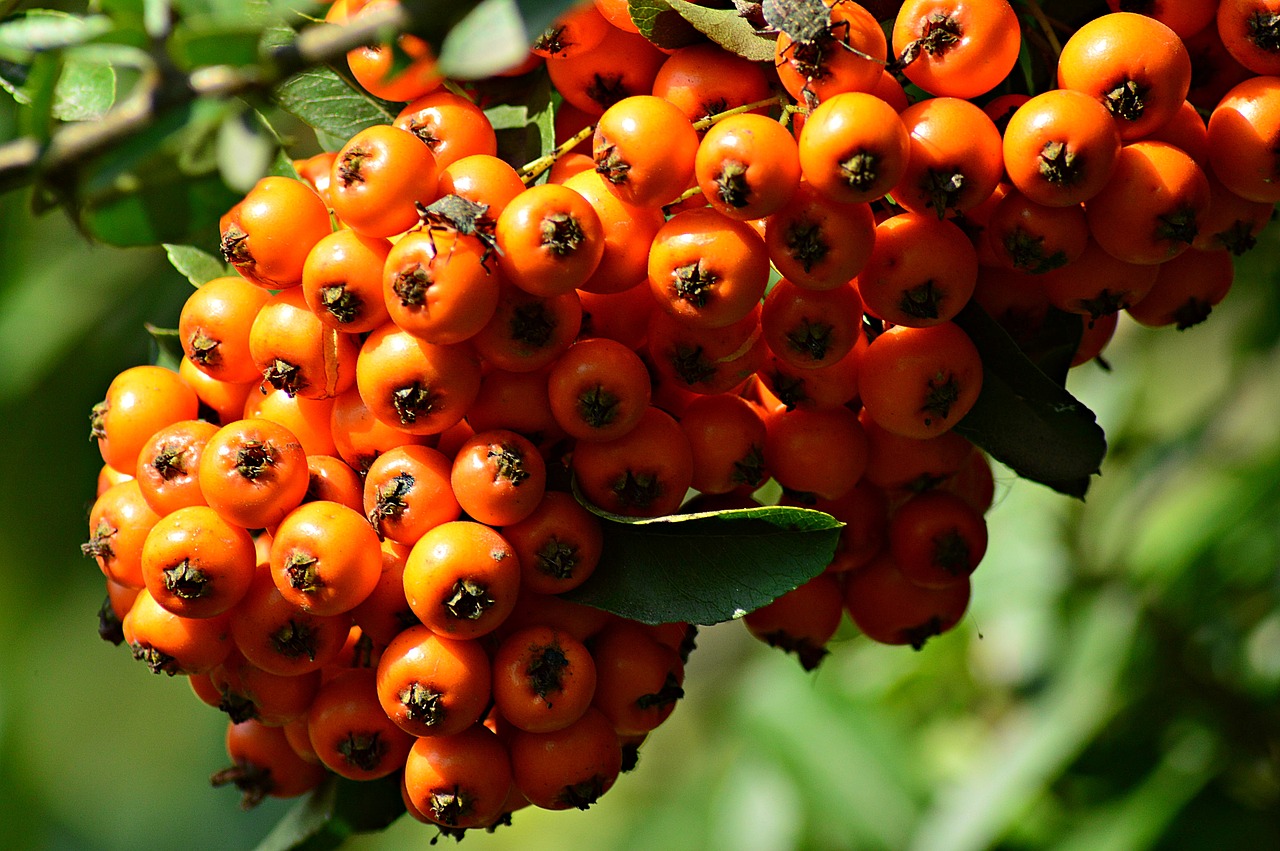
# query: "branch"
x,y
23,160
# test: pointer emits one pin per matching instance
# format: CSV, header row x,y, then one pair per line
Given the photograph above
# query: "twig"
x,y
533,169
703,123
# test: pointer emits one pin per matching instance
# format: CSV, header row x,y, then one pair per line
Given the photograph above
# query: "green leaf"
x,y
172,208
661,24
40,90
542,115
13,76
709,567
1026,420
201,42
199,152
728,29
330,104
282,166
524,116
48,29
168,346
490,39
85,91
246,150
332,812
196,265
149,191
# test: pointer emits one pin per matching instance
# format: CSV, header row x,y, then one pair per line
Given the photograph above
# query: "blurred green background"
x,y
1114,686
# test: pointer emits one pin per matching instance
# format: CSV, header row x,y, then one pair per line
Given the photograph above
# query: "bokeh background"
x,y
1114,685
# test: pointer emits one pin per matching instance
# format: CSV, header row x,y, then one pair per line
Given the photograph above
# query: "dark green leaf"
x,y
524,117
172,208
491,38
1055,343
168,346
332,105
146,191
542,115
1026,420
197,43
85,91
662,25
48,29
508,116
706,568
200,152
728,29
282,166
197,266
327,816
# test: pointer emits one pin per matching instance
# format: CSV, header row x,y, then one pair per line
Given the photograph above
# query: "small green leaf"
x,y
507,116
1025,419
85,91
282,166
196,265
246,150
200,152
524,116
146,190
332,105
662,25
168,346
542,115
196,43
48,29
172,208
40,90
706,568
491,38
333,811
728,29
157,17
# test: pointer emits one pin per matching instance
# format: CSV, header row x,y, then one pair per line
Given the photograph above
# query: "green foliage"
x,y
1025,419
662,25
706,568
491,38
333,812
198,267
335,107
726,28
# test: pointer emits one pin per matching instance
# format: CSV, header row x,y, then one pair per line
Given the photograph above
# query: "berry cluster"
x,y
347,518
